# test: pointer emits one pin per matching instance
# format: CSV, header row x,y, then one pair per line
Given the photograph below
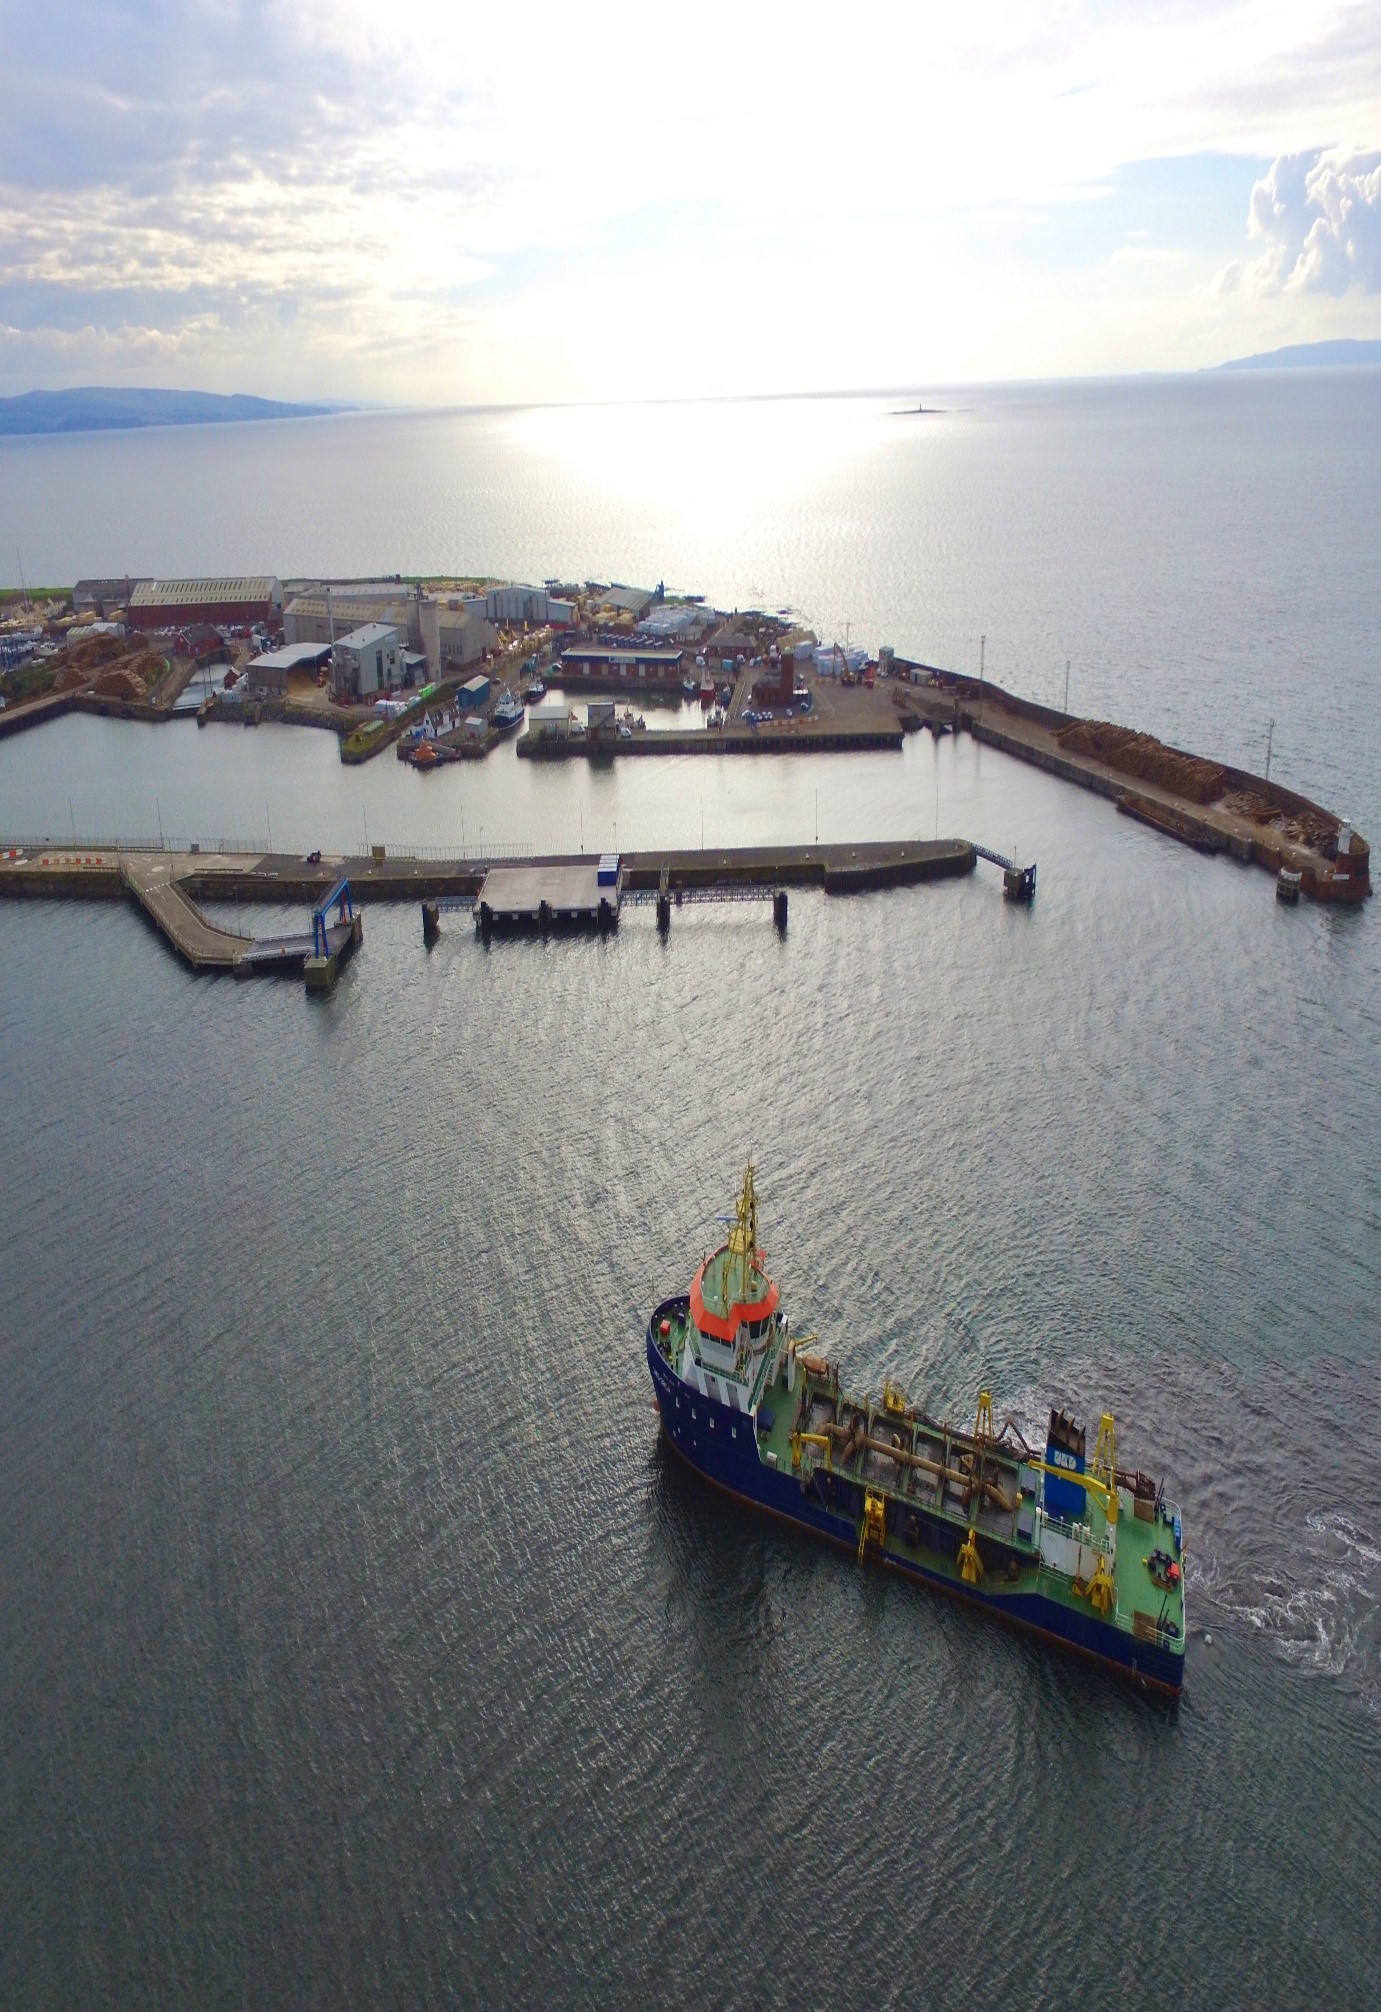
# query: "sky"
x,y
434,204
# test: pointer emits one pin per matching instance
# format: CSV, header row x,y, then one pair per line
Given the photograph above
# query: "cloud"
x,y
410,202
1319,218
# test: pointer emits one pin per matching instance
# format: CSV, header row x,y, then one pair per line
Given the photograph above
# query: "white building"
x,y
508,606
368,660
550,719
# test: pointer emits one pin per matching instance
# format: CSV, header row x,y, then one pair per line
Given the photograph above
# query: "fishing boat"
x,y
507,713
707,691
1071,1547
536,691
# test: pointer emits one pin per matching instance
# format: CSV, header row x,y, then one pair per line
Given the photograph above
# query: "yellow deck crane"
x,y
1101,1480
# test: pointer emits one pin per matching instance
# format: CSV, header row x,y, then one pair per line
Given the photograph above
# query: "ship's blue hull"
x,y
720,1444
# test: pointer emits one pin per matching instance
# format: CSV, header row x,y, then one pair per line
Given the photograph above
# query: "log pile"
x,y
1143,756
1314,828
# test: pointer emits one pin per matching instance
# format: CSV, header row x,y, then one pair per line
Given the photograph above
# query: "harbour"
x,y
768,688
364,1632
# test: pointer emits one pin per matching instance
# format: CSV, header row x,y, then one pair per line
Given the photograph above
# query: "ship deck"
x,y
1139,1600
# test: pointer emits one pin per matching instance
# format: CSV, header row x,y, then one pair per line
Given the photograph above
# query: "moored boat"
x,y
1083,1552
507,713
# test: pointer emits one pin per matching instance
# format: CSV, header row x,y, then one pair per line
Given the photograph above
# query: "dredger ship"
x,y
1065,1544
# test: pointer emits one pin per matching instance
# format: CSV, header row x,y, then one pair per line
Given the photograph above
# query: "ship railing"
x,y
1048,1578
1073,1532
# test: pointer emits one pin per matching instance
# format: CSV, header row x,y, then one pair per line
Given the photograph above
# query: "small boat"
x,y
508,712
535,691
423,755
707,692
689,688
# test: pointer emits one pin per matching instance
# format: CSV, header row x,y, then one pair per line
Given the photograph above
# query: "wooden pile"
x,y
1142,755
1316,828
121,682
92,652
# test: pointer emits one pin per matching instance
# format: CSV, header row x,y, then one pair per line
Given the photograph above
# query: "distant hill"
x,y
99,408
1308,356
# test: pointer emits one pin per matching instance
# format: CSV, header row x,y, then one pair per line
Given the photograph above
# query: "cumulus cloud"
x,y
1318,216
331,196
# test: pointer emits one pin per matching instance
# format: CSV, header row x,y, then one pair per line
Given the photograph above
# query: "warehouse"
x,y
634,601
104,597
454,636
512,605
367,661
269,673
606,665
239,601
330,609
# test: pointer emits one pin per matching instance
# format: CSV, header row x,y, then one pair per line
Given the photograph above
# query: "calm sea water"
x,y
357,1640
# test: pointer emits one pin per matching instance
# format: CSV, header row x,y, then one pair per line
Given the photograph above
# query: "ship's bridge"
x,y
733,1302
727,1295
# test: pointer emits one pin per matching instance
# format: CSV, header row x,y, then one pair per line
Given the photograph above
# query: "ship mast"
x,y
743,1237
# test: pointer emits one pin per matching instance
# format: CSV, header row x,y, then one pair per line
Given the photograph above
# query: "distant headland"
x,y
1309,356
105,408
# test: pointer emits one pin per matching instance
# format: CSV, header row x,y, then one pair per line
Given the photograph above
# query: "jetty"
x,y
168,887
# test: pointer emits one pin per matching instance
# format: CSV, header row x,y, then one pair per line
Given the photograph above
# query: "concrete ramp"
x,y
150,879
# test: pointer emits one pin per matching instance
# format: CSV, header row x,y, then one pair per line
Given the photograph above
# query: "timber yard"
x,y
444,671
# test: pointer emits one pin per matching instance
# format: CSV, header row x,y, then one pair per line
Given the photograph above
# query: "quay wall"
x,y
838,869
708,741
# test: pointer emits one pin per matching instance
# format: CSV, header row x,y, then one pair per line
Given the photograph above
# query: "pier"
x,y
562,891
166,888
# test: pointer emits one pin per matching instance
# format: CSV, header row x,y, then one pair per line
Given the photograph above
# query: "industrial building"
x,y
237,602
732,644
634,601
509,606
269,673
367,661
104,597
331,608
647,666
473,694
454,636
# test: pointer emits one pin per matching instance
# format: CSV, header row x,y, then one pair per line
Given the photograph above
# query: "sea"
x,y
360,1642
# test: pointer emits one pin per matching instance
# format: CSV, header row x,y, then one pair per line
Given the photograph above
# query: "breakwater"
x,y
168,885
1210,806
